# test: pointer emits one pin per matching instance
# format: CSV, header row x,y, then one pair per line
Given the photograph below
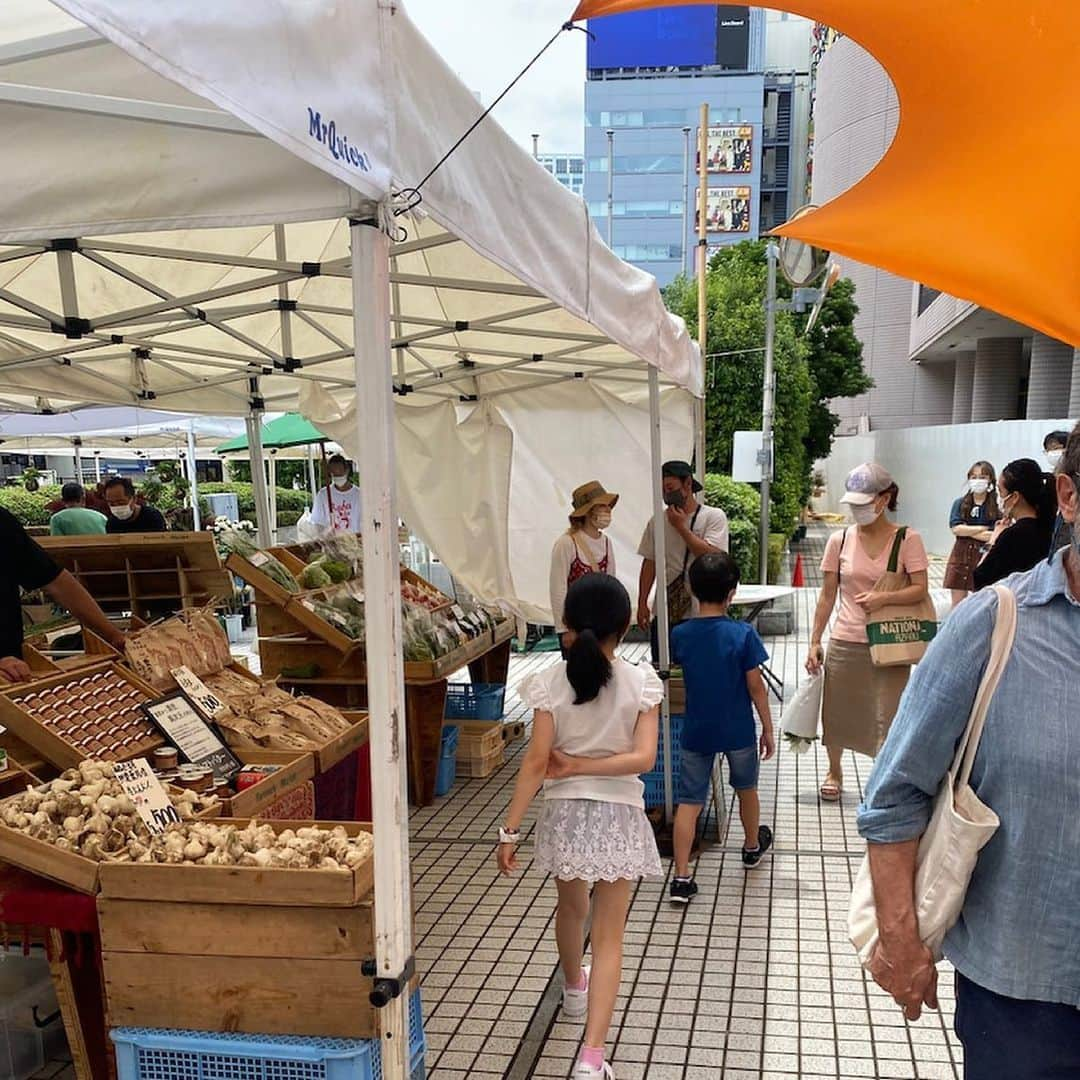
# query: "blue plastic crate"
x,y
474,701
654,780
451,733
160,1054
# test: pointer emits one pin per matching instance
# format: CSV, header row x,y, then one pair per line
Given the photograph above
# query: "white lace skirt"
x,y
589,840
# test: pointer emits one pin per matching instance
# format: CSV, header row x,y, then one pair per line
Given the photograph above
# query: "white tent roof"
x,y
154,248
115,428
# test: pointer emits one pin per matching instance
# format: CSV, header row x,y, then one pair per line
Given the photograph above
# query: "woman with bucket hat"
x,y
860,698
583,548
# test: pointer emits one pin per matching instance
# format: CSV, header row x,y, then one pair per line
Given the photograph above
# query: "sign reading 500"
x,y
327,133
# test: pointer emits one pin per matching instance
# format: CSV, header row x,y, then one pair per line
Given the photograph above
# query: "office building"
x,y
935,360
649,73
568,169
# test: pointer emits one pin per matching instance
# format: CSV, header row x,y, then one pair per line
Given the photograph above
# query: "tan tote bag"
x,y
959,828
899,634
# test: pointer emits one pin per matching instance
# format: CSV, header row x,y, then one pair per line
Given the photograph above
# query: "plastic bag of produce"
x,y
799,724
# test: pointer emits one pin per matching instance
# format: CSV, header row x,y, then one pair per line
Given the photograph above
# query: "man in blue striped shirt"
x,y
1016,946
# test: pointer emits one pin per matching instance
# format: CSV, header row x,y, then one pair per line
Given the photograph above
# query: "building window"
x,y
644,209
927,296
577,166
639,253
638,118
631,164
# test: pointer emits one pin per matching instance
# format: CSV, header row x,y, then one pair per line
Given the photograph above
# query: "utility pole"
x,y
702,271
610,187
686,202
768,409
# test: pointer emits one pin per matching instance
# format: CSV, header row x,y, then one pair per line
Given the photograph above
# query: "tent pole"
x,y
326,481
311,474
382,587
768,409
258,474
271,466
77,446
660,551
97,466
702,271
193,476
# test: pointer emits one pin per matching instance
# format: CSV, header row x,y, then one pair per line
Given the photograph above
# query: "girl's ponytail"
x,y
587,668
597,611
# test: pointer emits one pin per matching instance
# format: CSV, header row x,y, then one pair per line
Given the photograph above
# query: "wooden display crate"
x,y
477,738
472,767
301,610
239,884
15,778
142,572
261,582
53,747
295,768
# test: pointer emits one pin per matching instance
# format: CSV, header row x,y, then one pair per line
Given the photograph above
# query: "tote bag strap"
x,y
1001,643
894,555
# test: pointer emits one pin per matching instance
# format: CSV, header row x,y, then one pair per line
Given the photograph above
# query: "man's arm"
x,y
70,594
646,580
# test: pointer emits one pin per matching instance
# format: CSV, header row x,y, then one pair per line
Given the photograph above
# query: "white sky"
x,y
487,42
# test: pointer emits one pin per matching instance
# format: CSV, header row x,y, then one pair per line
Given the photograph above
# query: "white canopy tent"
x,y
159,250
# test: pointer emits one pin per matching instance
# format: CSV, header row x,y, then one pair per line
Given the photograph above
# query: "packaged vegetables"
x,y
192,639
235,542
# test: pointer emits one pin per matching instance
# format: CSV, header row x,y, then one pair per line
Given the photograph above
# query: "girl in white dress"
x,y
594,732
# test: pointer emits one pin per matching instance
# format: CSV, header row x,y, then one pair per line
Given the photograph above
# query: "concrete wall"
x,y
930,466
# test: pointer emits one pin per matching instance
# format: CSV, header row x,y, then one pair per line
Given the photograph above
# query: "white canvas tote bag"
x,y
960,827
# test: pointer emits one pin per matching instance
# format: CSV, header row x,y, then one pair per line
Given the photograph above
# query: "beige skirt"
x,y
860,699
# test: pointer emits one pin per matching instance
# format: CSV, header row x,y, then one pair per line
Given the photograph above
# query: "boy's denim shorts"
x,y
695,773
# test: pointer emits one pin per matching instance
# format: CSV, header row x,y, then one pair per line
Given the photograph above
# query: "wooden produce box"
x,y
260,581
141,572
15,778
255,967
301,609
50,741
240,884
471,767
295,768
480,747
677,694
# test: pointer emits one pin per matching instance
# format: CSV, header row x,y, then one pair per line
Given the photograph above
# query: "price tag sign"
x,y
198,692
260,558
458,611
180,722
144,789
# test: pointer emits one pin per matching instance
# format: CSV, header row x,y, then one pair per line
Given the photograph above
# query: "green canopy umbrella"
x,y
290,429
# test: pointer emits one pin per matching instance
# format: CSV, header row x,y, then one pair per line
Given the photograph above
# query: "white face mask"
x,y
601,518
341,481
1054,457
979,486
121,513
864,515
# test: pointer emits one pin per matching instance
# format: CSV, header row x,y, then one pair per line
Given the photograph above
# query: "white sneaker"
x,y
576,1002
587,1072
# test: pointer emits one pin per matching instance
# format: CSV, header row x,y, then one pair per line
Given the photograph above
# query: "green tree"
x,y
810,369
735,291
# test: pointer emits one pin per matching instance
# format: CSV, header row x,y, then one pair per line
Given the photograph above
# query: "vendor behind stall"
x,y
126,513
25,565
337,506
75,519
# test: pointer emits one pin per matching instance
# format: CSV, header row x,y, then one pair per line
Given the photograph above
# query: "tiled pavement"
x,y
755,980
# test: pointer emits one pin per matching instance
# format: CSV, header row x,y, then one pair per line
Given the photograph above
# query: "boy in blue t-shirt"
x,y
720,658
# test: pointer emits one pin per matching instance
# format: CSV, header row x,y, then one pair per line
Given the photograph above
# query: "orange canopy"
x,y
978,194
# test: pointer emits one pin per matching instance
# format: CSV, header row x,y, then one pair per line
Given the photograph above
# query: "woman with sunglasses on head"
x,y
1021,538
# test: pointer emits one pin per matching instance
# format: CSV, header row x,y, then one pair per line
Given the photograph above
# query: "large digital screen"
x,y
684,36
733,37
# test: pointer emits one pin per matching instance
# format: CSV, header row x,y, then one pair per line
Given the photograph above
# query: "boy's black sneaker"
x,y
764,839
683,890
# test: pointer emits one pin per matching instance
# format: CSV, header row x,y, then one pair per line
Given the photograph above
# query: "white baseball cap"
x,y
865,483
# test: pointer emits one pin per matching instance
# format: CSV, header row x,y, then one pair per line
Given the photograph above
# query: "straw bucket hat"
x,y
588,496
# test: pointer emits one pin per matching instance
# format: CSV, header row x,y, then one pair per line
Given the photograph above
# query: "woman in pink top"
x,y
860,700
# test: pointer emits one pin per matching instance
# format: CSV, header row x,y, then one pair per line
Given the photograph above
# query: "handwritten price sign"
x,y
144,789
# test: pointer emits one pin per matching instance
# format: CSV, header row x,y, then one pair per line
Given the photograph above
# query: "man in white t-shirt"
x,y
692,529
337,506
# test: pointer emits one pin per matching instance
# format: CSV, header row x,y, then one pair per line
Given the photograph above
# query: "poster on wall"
x,y
727,210
730,149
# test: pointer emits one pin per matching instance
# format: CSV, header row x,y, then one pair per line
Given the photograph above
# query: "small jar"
x,y
166,759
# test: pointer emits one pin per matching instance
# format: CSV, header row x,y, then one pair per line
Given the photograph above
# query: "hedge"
x,y
742,504
30,507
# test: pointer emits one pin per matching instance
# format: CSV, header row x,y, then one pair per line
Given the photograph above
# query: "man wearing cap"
x,y
692,529
583,548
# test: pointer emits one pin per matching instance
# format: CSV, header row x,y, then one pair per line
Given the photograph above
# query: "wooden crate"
x,y
677,694
252,967
513,731
65,867
239,884
53,747
141,572
263,584
476,768
477,738
295,768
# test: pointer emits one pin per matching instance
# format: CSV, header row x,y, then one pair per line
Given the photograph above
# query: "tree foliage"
x,y
809,370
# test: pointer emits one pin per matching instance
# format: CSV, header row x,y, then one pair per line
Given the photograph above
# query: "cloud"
x,y
487,42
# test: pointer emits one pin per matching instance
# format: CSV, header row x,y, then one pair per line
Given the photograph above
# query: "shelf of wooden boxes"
x,y
271,951
144,572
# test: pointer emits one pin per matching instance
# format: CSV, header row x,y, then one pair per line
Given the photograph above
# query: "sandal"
x,y
830,791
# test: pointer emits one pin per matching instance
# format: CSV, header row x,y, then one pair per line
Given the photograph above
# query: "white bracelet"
x,y
509,836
